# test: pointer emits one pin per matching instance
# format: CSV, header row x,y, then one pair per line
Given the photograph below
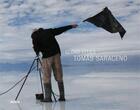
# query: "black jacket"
x,y
44,40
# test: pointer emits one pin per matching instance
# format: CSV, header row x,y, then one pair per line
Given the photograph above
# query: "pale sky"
x,y
19,17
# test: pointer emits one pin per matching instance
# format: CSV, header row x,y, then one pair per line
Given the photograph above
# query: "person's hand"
x,y
74,25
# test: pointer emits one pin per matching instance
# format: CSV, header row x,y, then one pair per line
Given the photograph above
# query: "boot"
x,y
61,91
47,93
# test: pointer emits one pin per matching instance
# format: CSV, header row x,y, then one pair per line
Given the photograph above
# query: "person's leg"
x,y
46,66
58,74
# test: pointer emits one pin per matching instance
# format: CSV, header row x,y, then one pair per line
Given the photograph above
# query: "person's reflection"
x,y
62,105
53,106
47,106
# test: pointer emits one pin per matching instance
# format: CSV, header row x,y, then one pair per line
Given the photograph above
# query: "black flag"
x,y
106,20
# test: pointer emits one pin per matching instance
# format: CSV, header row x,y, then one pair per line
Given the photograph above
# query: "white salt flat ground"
x,y
91,91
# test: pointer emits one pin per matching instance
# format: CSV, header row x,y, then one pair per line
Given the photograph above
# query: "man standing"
x,y
44,41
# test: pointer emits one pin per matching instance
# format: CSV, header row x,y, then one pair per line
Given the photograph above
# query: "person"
x,y
44,41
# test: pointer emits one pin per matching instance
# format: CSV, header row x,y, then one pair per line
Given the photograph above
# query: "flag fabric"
x,y
107,21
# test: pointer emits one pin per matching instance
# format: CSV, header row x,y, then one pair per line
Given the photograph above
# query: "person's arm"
x,y
57,31
35,43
